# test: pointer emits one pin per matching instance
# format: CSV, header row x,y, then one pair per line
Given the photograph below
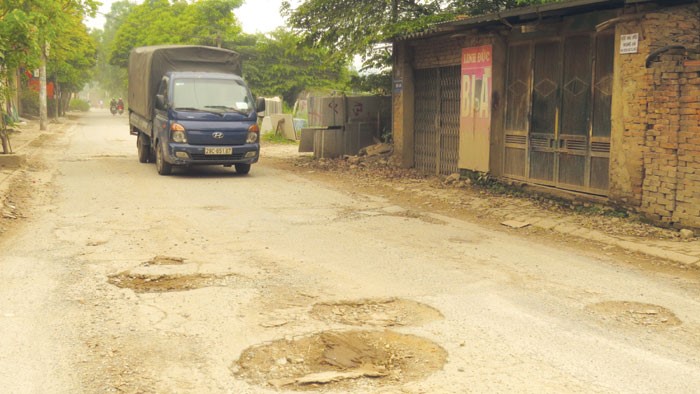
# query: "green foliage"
x,y
154,22
378,83
112,79
279,64
30,102
360,27
352,27
79,105
73,57
17,36
28,26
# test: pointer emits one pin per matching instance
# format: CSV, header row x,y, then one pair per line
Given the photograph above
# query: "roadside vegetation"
x,y
45,46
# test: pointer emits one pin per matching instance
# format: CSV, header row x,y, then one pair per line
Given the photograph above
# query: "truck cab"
x,y
205,119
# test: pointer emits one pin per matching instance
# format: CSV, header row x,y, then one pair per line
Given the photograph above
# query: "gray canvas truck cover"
x,y
147,65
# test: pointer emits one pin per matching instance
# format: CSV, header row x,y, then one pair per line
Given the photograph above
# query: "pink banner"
x,y
475,108
476,83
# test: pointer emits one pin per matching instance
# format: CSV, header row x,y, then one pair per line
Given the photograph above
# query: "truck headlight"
x,y
253,133
177,133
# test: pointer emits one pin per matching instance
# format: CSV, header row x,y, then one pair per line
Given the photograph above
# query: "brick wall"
x,y
687,212
656,136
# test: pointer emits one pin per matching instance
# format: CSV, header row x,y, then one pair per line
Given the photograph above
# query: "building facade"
x,y
600,98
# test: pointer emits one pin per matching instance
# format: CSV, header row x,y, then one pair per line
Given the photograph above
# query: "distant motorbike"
x,y
113,109
120,108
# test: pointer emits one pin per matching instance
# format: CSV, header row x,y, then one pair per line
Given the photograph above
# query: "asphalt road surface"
x,y
121,280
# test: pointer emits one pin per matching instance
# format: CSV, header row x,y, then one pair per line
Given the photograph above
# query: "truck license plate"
x,y
226,150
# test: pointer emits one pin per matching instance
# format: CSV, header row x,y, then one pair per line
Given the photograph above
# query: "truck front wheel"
x,y
242,169
163,167
143,145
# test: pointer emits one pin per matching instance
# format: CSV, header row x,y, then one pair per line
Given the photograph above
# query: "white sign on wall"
x,y
629,43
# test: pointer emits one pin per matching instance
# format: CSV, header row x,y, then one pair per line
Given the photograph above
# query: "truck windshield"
x,y
211,95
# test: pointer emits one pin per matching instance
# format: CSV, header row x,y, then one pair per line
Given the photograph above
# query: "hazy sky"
x,y
256,16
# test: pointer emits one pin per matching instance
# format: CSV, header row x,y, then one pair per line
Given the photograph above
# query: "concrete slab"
x,y
328,143
306,142
284,123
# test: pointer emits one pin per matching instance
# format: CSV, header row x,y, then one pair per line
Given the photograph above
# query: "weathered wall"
x,y
437,52
655,162
402,105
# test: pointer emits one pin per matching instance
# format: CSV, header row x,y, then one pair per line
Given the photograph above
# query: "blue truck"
x,y
188,105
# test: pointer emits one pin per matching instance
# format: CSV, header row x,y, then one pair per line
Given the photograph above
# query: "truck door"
x,y
160,120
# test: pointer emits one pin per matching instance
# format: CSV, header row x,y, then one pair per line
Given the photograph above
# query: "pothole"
x,y
376,312
164,260
340,360
391,212
142,283
635,314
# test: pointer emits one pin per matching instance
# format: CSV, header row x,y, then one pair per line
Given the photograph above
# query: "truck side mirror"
x,y
160,101
260,104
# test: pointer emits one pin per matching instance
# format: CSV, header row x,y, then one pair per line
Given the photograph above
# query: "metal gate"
x,y
558,107
437,92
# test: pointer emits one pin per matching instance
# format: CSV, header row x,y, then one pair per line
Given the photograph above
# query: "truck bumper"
x,y
186,155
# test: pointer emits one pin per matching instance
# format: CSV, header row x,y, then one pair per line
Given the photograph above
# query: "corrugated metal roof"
x,y
524,14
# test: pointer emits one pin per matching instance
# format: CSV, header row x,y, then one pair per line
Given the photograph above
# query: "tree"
x,y
72,61
212,22
206,22
356,27
111,78
33,26
18,46
280,64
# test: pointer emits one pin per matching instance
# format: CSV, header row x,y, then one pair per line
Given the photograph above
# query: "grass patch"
x,y
276,139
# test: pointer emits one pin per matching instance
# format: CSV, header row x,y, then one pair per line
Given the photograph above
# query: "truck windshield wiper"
x,y
240,111
198,110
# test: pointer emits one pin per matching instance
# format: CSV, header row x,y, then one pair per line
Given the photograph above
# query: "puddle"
x,y
341,360
382,312
630,313
141,283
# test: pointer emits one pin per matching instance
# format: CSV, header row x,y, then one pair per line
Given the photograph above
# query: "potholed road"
x,y
122,280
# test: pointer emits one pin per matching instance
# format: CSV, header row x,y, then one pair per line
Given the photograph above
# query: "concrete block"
x,y
273,105
329,143
282,121
306,143
266,126
358,135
